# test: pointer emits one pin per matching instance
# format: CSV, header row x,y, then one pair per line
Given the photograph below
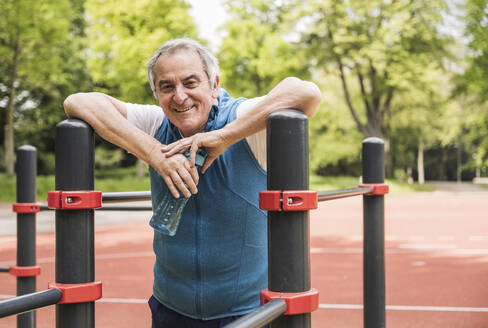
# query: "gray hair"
x,y
209,61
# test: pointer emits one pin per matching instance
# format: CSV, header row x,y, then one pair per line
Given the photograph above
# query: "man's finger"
x,y
194,173
175,148
180,185
185,174
171,186
206,165
193,152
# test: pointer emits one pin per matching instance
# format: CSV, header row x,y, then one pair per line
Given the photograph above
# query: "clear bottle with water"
x,y
167,214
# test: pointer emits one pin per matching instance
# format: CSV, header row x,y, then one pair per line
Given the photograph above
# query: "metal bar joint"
x,y
74,200
78,293
289,200
378,188
26,207
296,303
25,271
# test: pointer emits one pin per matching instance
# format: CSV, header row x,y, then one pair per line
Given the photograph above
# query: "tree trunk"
x,y
9,133
420,162
388,166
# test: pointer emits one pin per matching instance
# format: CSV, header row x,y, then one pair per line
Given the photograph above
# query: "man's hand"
x,y
213,142
177,173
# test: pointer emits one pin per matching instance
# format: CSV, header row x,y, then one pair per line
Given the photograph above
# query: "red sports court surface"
x,y
436,264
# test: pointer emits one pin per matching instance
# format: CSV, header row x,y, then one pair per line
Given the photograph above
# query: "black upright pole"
x,y
373,155
288,232
26,226
74,228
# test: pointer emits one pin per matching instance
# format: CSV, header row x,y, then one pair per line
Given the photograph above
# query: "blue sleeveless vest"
x,y
216,264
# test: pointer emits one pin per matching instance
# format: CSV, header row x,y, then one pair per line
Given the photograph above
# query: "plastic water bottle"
x,y
166,216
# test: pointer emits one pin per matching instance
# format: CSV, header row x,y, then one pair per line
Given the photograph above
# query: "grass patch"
x,y
109,180
125,179
320,183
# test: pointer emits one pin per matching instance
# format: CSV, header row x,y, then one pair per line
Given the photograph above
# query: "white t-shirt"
x,y
149,118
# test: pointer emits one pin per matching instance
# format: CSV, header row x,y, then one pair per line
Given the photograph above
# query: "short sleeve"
x,y
148,118
257,141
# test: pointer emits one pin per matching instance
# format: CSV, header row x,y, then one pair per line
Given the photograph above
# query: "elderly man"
x,y
212,270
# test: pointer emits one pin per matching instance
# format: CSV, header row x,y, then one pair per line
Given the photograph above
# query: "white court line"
x,y
478,238
406,308
403,249
448,250
97,257
122,300
323,306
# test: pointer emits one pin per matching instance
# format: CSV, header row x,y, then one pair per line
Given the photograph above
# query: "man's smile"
x,y
182,110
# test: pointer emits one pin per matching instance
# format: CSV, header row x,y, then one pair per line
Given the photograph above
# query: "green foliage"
x,y
108,158
35,52
124,34
334,141
474,80
254,55
42,61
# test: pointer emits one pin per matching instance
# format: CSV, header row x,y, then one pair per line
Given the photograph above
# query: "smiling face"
x,y
184,90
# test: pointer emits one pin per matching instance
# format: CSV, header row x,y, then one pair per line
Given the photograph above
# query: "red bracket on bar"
x,y
78,293
74,200
378,188
290,200
25,271
296,303
26,207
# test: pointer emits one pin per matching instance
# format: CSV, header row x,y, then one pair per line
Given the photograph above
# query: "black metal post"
x,y
288,232
29,302
26,168
74,228
373,155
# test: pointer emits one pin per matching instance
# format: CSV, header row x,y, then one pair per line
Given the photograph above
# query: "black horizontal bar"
x,y
261,316
4,269
342,193
128,196
110,208
125,208
29,302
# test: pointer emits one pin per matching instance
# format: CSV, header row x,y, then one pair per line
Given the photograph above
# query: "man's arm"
x,y
289,93
108,117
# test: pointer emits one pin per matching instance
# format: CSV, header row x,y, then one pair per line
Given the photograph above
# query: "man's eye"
x,y
191,84
166,88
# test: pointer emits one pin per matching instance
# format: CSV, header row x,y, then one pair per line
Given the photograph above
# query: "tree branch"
x,y
348,98
364,94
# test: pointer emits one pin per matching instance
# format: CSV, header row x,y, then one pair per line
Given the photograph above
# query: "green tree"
x,y
379,49
475,81
254,55
33,36
123,35
473,84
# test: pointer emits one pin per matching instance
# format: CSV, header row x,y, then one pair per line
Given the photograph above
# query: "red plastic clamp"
x,y
290,200
25,271
78,293
296,303
26,207
378,188
74,200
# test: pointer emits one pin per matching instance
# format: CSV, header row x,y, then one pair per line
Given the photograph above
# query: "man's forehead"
x,y
180,64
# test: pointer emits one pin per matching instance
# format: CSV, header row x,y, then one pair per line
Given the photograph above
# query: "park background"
x,y
413,73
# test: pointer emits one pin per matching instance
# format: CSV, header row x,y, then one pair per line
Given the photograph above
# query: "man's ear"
x,y
215,87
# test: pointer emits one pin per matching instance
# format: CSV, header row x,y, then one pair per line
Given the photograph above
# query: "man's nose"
x,y
180,95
